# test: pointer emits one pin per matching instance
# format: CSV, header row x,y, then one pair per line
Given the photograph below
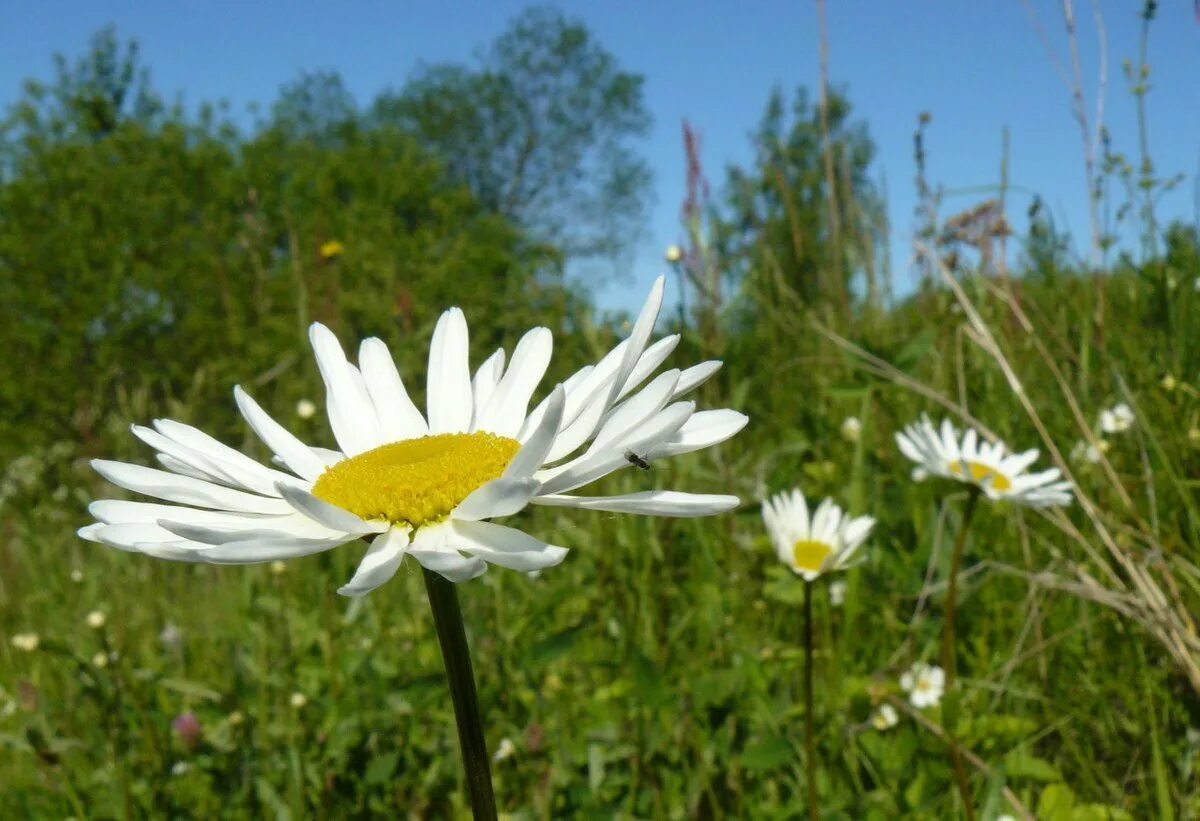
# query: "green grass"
x,y
657,671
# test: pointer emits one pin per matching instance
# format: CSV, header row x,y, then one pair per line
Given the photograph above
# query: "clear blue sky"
x,y
976,66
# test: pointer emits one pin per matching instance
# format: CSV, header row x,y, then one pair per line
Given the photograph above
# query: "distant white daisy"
x,y
990,467
924,684
851,429
884,718
306,409
506,749
824,543
1085,452
422,485
837,592
1117,419
26,641
96,619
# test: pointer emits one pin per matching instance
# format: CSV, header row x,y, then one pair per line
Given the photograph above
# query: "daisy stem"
x,y
447,616
810,739
950,700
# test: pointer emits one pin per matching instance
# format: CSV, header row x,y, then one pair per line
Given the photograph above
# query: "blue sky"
x,y
975,66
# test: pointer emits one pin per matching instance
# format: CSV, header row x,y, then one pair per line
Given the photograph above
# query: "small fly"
x,y
635,460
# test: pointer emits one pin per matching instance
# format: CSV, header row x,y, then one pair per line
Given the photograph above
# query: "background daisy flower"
x,y
1001,475
924,683
824,543
422,484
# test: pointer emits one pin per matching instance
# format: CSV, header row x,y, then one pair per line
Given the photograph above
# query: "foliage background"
x,y
150,260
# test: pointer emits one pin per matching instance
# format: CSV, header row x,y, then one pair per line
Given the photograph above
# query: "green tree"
x,y
542,130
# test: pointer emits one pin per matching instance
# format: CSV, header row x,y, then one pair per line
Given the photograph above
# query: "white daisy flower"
x,y
851,429
422,485
884,718
96,619
1117,419
306,409
505,750
823,544
924,684
990,467
837,593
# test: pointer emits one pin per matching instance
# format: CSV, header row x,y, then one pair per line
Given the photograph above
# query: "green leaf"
x,y
382,768
1022,764
767,754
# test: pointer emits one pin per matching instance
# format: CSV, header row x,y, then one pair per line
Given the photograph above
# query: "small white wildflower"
x,y
305,409
924,684
298,700
673,253
26,641
171,636
278,567
77,576
1168,383
100,660
884,718
1117,419
180,767
837,592
851,429
236,718
96,619
506,749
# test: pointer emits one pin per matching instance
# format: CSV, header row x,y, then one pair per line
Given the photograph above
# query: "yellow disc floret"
x,y
416,481
982,473
810,555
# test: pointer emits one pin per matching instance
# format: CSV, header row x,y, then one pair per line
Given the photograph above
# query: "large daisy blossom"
x,y
990,467
811,546
422,485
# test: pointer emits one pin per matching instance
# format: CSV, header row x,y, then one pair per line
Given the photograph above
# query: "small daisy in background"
x,y
884,718
992,468
1117,419
851,429
504,750
27,642
306,409
1089,453
812,546
924,683
837,592
96,619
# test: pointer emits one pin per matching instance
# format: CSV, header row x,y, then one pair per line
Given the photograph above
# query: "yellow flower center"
x,y
980,473
416,481
810,555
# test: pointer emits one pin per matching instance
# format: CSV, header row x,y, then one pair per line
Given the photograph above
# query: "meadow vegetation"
x,y
152,257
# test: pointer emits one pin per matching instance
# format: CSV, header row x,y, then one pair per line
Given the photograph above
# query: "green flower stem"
x,y
950,697
443,600
810,737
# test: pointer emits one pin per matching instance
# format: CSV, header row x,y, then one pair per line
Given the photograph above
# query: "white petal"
x,y
278,528
506,409
533,452
702,430
432,551
649,361
379,564
592,466
631,414
234,463
331,516
185,490
290,450
487,377
351,412
505,546
269,549
574,434
499,497
638,337
649,503
119,511
448,397
398,417
696,376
